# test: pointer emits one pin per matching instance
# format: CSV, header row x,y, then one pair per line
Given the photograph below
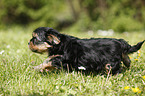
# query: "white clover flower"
x,y
8,46
2,52
57,87
81,68
18,51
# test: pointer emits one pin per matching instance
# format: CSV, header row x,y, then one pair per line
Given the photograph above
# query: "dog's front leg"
x,y
45,66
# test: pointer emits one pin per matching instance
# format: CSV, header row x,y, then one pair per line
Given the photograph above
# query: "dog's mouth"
x,y
39,48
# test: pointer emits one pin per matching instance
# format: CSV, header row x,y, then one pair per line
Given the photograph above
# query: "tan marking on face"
x,y
53,38
39,48
50,39
35,34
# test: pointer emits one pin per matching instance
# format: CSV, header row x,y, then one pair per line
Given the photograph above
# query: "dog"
x,y
71,53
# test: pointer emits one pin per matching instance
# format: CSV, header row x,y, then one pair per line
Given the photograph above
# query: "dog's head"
x,y
43,38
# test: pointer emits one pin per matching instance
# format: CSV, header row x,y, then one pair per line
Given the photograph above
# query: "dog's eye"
x,y
36,39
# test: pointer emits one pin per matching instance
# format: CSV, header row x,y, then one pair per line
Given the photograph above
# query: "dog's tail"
x,y
135,47
130,49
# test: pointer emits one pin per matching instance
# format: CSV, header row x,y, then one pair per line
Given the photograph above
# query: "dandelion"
x,y
136,90
136,59
126,87
139,91
143,77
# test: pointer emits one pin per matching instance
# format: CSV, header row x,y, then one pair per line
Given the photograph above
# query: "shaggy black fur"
x,y
95,54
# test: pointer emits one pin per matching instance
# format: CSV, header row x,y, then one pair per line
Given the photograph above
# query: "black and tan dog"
x,y
68,52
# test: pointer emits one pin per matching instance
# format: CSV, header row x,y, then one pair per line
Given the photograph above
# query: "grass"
x,y
18,78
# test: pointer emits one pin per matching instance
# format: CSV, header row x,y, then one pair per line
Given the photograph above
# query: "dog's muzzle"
x,y
41,48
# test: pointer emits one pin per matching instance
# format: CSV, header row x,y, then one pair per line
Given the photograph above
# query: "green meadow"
x,y
17,77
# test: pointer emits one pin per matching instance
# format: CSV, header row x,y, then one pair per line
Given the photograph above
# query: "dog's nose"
x,y
28,43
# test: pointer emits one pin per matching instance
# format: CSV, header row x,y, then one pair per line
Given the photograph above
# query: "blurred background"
x,y
74,15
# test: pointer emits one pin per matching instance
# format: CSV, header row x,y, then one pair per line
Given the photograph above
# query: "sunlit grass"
x,y
18,78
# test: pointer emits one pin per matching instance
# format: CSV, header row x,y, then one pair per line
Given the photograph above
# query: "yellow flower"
x,y
136,59
138,52
136,90
139,91
126,87
143,77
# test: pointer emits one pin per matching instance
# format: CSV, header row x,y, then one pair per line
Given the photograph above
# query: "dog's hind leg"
x,y
126,60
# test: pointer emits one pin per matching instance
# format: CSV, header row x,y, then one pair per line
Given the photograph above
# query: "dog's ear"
x,y
52,38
